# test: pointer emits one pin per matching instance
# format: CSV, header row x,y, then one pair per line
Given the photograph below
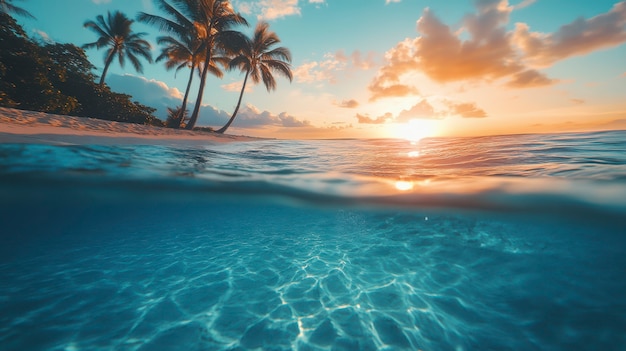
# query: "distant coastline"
x,y
21,126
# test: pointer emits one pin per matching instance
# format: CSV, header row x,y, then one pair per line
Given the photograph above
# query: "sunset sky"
x,y
395,68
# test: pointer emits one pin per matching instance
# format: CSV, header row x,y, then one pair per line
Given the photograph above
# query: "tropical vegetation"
x,y
211,22
181,53
115,33
175,117
259,60
58,78
6,6
199,35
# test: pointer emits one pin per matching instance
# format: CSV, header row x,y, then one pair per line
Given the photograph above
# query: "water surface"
x,y
495,243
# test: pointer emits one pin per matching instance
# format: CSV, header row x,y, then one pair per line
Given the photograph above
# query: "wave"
x,y
554,199
562,175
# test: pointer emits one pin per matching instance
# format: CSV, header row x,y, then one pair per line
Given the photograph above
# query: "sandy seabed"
x,y
20,126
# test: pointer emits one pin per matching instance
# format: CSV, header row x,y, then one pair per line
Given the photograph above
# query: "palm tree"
x,y
209,21
259,60
116,34
215,21
184,52
7,7
181,54
175,116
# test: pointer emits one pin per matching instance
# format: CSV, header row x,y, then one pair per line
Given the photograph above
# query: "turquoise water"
x,y
495,243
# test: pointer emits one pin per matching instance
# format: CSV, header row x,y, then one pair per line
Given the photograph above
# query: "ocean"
x,y
493,243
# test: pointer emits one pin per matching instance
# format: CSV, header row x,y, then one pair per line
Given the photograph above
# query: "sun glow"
x,y
404,185
416,129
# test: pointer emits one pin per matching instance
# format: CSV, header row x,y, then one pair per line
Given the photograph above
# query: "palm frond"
x,y
280,67
280,53
268,78
115,32
7,7
135,62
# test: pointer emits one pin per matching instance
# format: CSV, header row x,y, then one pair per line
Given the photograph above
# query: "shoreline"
x,y
31,127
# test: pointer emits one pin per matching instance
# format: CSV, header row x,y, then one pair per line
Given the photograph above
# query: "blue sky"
x,y
368,68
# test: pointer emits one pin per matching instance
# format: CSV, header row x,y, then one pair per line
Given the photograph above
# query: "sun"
x,y
416,129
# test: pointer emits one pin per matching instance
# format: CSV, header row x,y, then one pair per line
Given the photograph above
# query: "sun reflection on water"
x,y
406,185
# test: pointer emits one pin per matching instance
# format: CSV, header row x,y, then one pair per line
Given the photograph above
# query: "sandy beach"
x,y
19,126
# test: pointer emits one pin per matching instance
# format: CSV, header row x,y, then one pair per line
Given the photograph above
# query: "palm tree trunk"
x,y
232,118
196,108
181,113
106,67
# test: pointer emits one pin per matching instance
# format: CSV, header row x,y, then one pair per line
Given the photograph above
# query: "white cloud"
x,y
310,72
211,117
158,95
148,6
333,63
43,35
149,92
269,9
132,81
236,87
357,60
524,3
245,8
250,116
272,9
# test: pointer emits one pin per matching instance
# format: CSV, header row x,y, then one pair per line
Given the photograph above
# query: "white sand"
x,y
19,126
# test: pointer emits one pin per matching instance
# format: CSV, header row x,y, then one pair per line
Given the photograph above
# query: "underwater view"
x,y
493,243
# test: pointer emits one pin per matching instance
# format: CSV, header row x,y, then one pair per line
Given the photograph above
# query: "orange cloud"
x,y
379,90
466,110
579,37
236,87
336,126
365,119
424,110
530,79
347,103
421,110
440,54
492,52
400,60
